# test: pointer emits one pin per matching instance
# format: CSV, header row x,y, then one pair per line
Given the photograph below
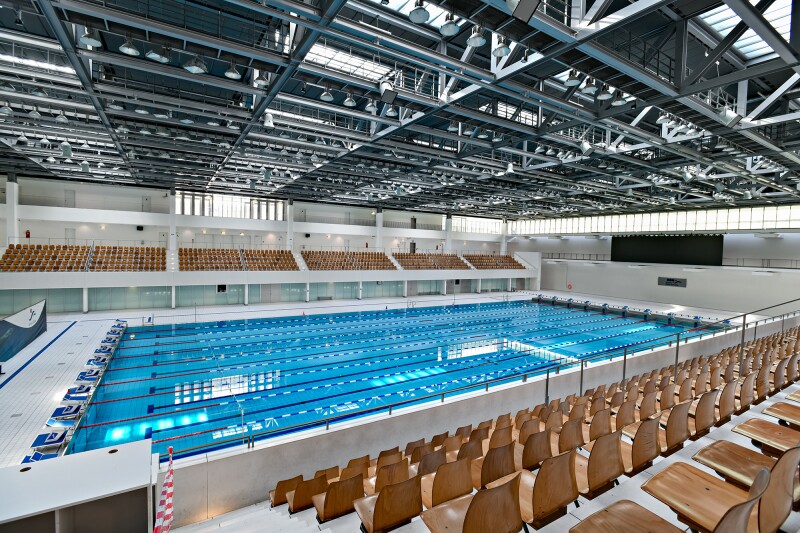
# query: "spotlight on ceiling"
x,y
371,107
663,118
326,95
269,121
89,39
391,112
502,49
452,127
61,118
586,148
116,106
128,48
349,101
34,113
66,149
196,65
419,14
449,28
162,57
476,38
232,73
38,91
6,109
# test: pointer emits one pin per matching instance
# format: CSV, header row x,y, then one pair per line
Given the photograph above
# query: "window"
x,y
228,206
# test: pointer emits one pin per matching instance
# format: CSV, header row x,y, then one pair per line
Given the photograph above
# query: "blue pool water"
x,y
196,387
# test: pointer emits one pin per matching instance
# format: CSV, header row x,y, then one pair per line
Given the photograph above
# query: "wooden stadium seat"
x,y
740,466
464,431
640,453
544,496
725,403
411,446
706,503
388,474
671,438
624,516
421,451
394,506
301,497
571,435
429,464
597,473
496,509
338,499
277,496
702,414
774,439
497,462
437,440
501,437
329,473
529,427
450,481
625,415
600,425
745,396
384,453
536,449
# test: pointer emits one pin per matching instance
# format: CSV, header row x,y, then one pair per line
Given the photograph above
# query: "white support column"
x,y
308,292
479,287
510,284
172,236
405,288
173,297
360,289
86,299
12,211
246,294
504,238
290,225
379,228
448,234
444,287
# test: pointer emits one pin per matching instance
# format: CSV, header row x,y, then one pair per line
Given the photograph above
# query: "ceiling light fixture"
x,y
449,28
371,107
476,38
326,95
619,99
573,79
590,87
89,39
391,112
34,113
452,127
128,48
663,118
196,65
605,93
39,91
6,109
502,49
232,73
269,121
113,104
162,57
349,101
139,110
419,14
261,81
61,118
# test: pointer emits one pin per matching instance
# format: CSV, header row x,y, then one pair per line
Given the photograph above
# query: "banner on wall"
x,y
20,329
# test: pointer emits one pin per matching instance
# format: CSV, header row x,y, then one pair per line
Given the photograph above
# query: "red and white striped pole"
x,y
164,514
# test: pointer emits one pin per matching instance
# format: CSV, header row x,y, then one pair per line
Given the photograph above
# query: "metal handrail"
x,y
560,364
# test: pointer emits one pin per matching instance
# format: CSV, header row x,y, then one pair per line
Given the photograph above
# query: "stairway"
x,y
467,262
173,265
301,263
394,261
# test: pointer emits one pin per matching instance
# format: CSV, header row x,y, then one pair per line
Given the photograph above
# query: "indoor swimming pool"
x,y
204,386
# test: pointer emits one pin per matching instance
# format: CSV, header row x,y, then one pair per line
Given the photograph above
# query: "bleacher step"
x,y
395,262
301,263
467,262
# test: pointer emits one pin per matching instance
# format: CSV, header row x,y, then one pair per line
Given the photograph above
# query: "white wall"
x,y
53,193
725,288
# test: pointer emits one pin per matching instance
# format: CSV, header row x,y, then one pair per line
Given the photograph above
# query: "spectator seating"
x,y
269,260
423,261
537,449
490,262
45,258
128,258
330,260
209,259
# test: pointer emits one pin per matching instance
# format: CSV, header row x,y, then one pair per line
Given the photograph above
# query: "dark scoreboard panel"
x,y
675,250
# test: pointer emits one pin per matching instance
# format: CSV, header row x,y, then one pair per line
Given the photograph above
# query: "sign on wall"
x,y
672,282
20,329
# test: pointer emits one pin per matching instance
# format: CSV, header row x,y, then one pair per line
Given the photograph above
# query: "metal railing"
x,y
87,242
555,364
576,256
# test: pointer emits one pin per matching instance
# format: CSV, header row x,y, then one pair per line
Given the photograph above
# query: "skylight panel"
x,y
36,64
346,62
751,45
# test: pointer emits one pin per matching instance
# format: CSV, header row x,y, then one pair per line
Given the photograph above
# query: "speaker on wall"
x,y
139,228
308,235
